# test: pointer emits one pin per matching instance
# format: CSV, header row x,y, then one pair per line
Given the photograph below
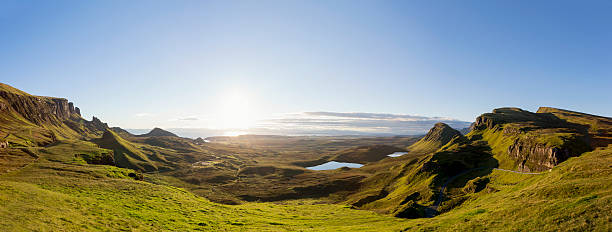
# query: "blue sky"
x,y
139,64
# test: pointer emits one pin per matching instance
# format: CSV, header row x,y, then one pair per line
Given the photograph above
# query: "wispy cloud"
x,y
189,118
332,123
326,123
398,117
185,118
142,115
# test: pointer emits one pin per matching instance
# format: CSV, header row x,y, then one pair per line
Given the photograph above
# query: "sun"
x,y
235,111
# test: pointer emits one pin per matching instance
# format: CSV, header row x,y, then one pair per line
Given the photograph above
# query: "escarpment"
x,y
39,110
535,141
532,156
49,118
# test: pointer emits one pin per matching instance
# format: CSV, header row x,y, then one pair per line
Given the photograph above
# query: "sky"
x,y
222,64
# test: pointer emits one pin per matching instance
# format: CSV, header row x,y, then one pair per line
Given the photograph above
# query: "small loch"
x,y
397,154
334,165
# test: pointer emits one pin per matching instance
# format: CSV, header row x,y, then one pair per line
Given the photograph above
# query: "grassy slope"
x,y
489,146
60,192
67,194
13,90
574,196
126,154
26,133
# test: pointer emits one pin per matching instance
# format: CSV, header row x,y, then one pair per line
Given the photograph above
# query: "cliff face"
x,y
537,141
39,110
537,157
46,118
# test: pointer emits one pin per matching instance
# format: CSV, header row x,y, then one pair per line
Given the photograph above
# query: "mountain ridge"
x,y
101,177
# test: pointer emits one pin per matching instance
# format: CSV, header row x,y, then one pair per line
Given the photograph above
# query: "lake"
x,y
334,165
396,154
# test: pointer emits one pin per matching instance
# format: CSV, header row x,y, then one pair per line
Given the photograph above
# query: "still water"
x,y
396,154
333,165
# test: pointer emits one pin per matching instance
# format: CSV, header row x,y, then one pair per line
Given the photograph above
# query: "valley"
x,y
513,169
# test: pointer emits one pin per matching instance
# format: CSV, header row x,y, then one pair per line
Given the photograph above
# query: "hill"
x,y
126,154
60,173
438,136
507,138
514,170
158,132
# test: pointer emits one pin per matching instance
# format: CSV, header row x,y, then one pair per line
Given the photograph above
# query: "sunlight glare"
x,y
235,111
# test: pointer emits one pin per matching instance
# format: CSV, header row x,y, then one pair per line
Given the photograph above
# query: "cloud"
x,y
329,123
375,116
189,118
335,123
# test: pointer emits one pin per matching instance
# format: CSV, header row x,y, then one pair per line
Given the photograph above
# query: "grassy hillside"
x,y
63,173
60,192
574,196
438,136
508,138
126,154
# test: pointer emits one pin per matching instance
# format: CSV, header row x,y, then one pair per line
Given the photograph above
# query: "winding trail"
x,y
432,210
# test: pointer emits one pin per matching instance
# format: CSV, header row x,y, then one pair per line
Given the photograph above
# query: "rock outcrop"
x,y
538,141
55,117
3,142
39,110
537,157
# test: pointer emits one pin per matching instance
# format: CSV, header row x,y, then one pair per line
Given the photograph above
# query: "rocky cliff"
x,y
47,118
536,156
39,110
536,141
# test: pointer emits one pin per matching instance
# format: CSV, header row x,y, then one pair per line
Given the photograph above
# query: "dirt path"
x,y
432,211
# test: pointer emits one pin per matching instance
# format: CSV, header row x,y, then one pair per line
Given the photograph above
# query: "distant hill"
x,y
157,132
122,132
548,170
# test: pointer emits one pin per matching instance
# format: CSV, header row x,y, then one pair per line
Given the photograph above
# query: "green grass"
x,y
499,146
126,154
47,181
574,196
57,192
